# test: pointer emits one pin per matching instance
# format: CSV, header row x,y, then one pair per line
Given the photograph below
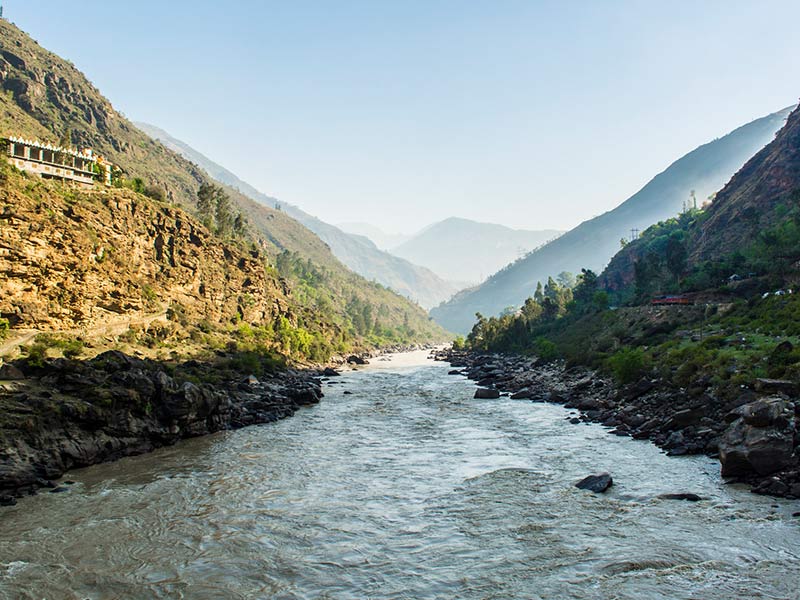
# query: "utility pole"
x,y
1,10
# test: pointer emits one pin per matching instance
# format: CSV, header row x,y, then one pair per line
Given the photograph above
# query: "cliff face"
x,y
82,258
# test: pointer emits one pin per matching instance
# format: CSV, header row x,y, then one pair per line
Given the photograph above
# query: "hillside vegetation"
x,y
731,270
592,244
47,98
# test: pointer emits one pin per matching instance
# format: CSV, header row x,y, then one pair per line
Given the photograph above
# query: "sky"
x,y
532,114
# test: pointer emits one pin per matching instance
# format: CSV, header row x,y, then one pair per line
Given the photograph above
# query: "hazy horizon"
x,y
531,115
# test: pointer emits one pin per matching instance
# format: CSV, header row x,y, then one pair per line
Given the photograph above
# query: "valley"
x,y
399,301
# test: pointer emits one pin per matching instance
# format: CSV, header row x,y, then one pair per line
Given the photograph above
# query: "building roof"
x,y
87,152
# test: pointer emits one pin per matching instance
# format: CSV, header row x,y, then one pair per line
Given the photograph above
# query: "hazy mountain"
x,y
463,250
356,251
383,240
593,243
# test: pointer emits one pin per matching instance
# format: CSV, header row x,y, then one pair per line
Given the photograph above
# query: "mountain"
x,y
463,250
592,244
47,98
359,253
355,251
751,227
383,240
756,198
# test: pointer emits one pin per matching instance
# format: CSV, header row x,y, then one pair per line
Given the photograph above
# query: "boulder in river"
x,y
681,496
596,483
357,360
759,439
486,394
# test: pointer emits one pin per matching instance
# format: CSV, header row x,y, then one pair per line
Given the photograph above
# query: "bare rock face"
x,y
760,439
106,255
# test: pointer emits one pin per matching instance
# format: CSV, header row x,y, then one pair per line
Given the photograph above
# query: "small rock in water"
x,y
681,496
575,420
7,501
596,483
486,394
330,372
521,395
69,482
347,392
454,372
59,490
357,360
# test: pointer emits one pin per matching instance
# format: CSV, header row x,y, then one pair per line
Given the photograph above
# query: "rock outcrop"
x,y
96,256
760,440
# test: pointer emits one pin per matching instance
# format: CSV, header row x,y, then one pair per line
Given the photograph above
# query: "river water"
x,y
405,488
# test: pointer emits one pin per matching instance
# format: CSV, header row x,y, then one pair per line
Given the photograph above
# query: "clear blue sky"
x,y
533,114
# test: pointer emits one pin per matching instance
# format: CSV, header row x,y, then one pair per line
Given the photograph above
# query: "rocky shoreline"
x,y
66,414
755,437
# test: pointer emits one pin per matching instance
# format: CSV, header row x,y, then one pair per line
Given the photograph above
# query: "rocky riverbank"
x,y
756,436
65,414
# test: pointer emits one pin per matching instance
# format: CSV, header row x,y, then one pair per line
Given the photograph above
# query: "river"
x,y
404,488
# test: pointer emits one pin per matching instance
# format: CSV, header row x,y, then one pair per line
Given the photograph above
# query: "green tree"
x,y
223,213
676,256
206,204
539,293
566,279
239,225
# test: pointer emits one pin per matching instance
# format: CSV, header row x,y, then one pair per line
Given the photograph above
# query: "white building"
x,y
55,162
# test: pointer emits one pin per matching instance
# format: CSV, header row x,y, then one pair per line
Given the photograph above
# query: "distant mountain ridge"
x,y
357,252
383,240
460,249
593,243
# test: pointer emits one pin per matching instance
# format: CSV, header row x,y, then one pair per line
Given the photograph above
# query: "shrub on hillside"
x,y
545,349
154,192
627,364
